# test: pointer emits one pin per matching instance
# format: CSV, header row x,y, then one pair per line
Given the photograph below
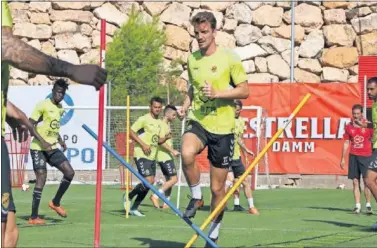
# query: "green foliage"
x,y
134,61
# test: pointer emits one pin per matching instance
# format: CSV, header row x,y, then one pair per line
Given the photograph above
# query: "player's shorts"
x,y
54,158
220,147
7,203
237,168
357,165
373,161
145,167
168,168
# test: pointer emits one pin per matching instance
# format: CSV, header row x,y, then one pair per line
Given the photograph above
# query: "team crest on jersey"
x,y
363,130
5,200
214,69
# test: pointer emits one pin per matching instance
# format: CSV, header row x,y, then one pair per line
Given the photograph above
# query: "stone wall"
x,y
329,36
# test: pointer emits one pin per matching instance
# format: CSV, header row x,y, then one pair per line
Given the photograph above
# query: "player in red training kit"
x,y
359,156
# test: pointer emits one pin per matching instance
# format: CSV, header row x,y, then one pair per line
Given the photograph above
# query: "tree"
x,y
134,61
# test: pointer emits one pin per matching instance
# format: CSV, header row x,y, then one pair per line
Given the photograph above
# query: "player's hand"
x,y
89,75
20,133
168,136
176,153
182,113
342,164
64,146
250,153
46,146
209,91
146,149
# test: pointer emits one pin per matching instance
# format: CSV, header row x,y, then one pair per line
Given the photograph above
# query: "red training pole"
x,y
101,110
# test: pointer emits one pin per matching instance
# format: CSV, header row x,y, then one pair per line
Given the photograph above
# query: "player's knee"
x,y
69,175
41,177
355,181
188,156
173,179
217,190
370,182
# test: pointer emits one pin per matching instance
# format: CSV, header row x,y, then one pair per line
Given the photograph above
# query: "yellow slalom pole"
x,y
127,154
246,173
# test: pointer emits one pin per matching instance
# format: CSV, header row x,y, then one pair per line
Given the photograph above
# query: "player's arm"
x,y
62,143
346,145
187,103
138,125
25,57
19,122
170,149
243,147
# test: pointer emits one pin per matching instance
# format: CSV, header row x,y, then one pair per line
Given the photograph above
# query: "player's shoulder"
x,y
194,56
229,53
43,103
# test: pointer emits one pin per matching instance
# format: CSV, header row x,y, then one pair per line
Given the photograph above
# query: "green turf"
x,y
290,217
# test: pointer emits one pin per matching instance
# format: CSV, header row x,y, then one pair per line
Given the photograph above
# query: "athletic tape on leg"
x,y
151,187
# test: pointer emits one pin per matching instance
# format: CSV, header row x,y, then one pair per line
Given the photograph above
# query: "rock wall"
x,y
329,36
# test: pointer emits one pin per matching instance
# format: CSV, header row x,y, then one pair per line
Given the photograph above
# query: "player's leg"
x,y
9,229
220,152
193,142
363,163
169,171
354,175
147,168
167,194
40,171
371,178
228,184
57,159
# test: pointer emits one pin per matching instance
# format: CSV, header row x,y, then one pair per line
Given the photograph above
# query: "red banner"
x,y
312,143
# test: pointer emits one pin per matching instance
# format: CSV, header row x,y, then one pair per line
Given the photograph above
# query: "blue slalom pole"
x,y
150,186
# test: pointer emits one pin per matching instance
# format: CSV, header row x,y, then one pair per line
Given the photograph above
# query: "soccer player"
x,y
165,157
49,112
371,179
19,54
236,165
359,156
146,133
217,77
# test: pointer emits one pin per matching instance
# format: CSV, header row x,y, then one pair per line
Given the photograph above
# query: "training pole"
x,y
180,167
246,173
127,153
101,110
152,188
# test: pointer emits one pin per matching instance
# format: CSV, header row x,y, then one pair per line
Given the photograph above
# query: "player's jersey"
x,y
162,154
374,119
222,70
360,140
148,129
238,131
6,20
49,129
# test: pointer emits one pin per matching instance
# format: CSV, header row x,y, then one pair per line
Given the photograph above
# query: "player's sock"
x,y
161,191
196,191
136,191
251,202
140,197
215,227
64,185
236,201
368,205
37,195
358,205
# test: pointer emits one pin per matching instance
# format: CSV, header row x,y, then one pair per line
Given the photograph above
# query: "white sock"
x,y
236,201
196,191
161,191
214,230
251,202
358,205
368,205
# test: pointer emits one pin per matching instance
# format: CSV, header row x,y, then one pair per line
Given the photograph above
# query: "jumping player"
x,y
49,112
236,165
359,156
165,157
217,77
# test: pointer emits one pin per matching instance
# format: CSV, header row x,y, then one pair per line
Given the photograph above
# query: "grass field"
x,y
289,218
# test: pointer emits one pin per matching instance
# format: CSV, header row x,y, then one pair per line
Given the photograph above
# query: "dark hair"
x,y
169,107
156,99
357,106
372,80
61,83
204,16
238,103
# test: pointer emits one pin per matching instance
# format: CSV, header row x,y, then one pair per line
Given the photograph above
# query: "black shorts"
x,y
237,168
145,167
168,168
7,203
54,158
220,147
357,165
373,161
